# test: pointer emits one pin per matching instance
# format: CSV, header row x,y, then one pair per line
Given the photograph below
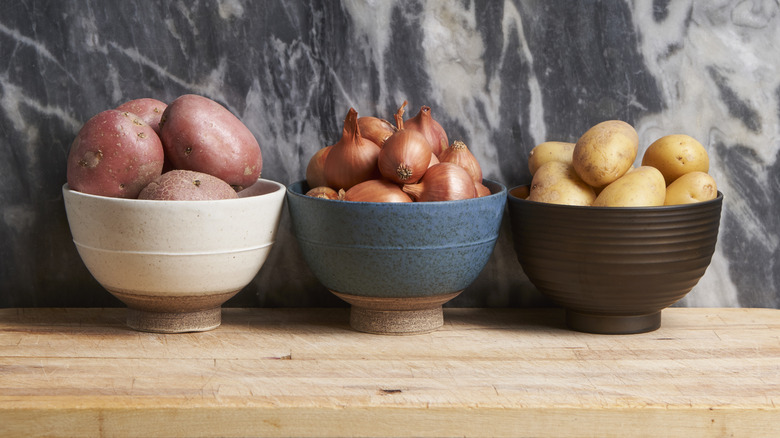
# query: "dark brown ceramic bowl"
x,y
614,269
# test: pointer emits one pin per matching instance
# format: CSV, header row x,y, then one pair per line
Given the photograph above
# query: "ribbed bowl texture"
x,y
396,250
612,262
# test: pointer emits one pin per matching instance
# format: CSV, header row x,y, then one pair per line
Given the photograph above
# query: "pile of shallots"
x,y
375,161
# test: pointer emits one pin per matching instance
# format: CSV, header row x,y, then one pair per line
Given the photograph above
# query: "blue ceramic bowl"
x,y
396,251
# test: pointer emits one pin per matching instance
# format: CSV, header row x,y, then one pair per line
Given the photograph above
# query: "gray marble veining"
x,y
501,75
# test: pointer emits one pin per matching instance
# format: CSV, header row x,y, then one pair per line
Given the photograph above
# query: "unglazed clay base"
x,y
164,322
396,316
171,314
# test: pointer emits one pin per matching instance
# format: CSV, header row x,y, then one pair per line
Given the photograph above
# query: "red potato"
x,y
148,109
200,134
114,154
151,111
187,185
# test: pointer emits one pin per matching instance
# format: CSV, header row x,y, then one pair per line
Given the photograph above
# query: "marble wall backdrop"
x,y
501,75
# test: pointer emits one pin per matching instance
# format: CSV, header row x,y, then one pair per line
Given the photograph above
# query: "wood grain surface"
x,y
304,372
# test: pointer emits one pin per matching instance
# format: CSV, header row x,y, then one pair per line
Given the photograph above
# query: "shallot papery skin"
x,y
482,190
442,182
376,190
353,159
375,129
405,157
323,192
315,170
425,124
460,154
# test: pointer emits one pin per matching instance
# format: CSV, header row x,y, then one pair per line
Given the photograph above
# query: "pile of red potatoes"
x,y
191,149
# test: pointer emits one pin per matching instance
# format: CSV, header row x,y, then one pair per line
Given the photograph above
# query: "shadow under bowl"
x,y
174,263
614,269
396,263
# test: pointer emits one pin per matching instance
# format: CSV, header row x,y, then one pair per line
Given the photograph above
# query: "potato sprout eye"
x,y
188,150
91,159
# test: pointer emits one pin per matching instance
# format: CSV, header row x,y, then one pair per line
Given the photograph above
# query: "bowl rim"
x,y
277,187
502,191
515,199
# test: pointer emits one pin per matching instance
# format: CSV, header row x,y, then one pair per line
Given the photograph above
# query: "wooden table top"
x,y
304,372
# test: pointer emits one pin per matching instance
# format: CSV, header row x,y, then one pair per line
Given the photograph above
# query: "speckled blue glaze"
x,y
396,250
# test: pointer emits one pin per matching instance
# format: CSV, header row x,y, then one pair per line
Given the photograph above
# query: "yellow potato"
x,y
675,155
557,183
642,187
605,152
549,151
690,188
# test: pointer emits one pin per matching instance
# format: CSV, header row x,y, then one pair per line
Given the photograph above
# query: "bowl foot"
x,y
173,314
396,316
395,322
612,324
174,322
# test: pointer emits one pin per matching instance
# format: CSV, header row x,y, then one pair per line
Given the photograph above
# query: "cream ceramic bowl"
x,y
174,263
